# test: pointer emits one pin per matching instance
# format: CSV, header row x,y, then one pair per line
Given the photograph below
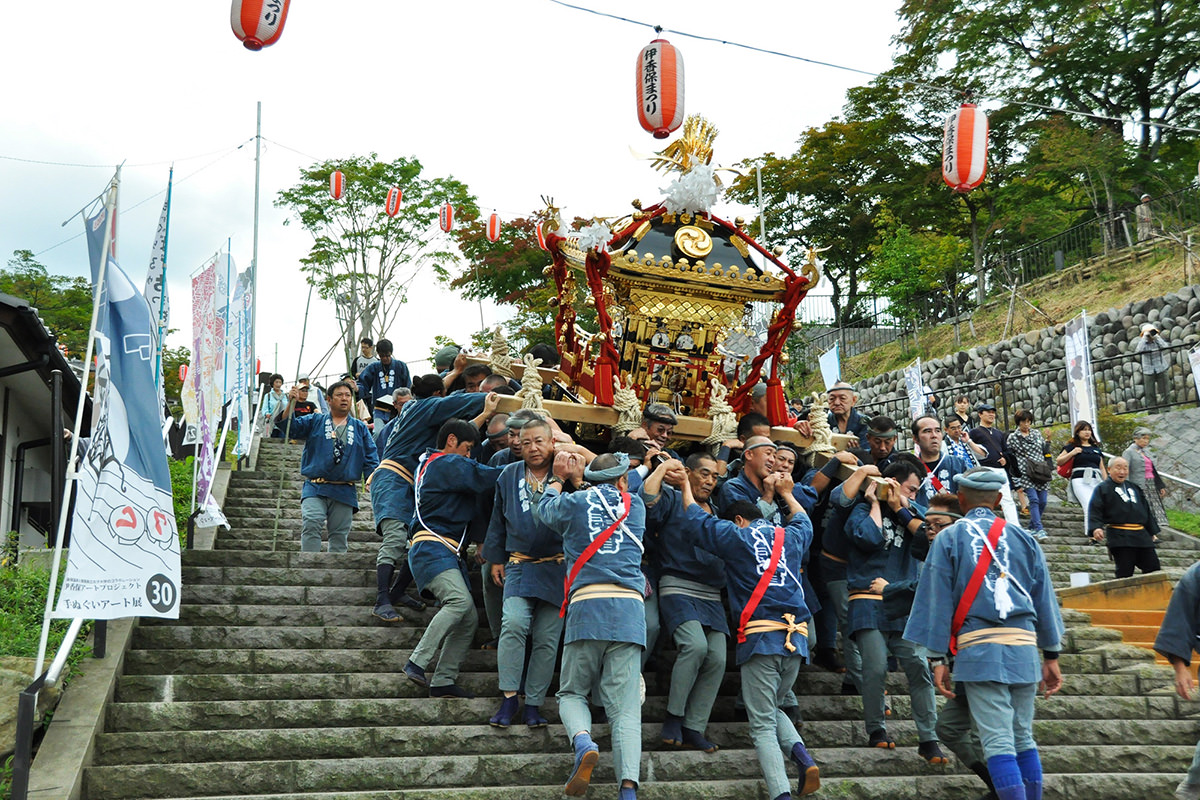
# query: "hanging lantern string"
x,y
935,87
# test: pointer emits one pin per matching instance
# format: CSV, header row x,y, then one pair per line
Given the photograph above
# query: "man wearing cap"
x,y
985,597
941,468
1177,638
526,559
658,421
1155,362
445,486
512,427
1145,222
602,526
380,380
392,484
1120,514
843,418
995,442
758,482
338,453
880,445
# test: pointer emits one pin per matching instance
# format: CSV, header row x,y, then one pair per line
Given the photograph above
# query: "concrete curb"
x,y
70,740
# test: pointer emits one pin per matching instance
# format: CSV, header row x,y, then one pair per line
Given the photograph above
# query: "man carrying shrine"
x,y
379,380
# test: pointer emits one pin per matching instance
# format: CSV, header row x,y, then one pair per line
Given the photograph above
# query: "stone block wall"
x,y
1028,370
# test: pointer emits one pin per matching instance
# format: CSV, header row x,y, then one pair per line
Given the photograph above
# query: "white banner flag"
x,y
913,386
831,366
1081,391
124,555
240,361
1194,360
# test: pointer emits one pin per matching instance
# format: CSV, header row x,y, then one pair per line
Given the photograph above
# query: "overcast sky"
x,y
517,99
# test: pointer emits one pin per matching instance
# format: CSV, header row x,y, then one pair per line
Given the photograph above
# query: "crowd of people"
x,y
595,557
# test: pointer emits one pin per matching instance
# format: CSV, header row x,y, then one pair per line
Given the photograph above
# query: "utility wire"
x,y
869,73
110,166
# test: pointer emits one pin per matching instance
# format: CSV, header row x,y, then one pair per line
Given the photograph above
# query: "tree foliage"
x,y
64,304
362,259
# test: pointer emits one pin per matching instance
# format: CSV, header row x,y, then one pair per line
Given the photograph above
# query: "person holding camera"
x,y
1034,471
1152,349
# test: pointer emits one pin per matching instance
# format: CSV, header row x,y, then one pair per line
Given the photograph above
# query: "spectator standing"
x,y
366,355
959,444
962,410
273,403
1087,467
1028,447
995,441
1144,473
1145,220
1121,516
1152,349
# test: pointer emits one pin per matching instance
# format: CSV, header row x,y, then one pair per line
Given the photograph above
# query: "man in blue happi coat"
x,y
602,526
527,561
880,535
689,597
338,453
379,381
762,567
1003,628
759,483
445,487
1177,638
414,432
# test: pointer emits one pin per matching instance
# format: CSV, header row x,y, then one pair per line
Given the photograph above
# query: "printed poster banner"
x,y
208,351
831,366
124,555
1194,360
241,358
913,387
1081,393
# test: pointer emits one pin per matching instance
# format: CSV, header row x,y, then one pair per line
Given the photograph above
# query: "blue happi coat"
x,y
513,529
689,579
377,381
746,553
359,457
835,544
947,469
876,552
948,568
1180,631
414,432
580,517
740,488
445,488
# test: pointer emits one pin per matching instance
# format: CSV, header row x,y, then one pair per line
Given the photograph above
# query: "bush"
x,y
181,492
23,598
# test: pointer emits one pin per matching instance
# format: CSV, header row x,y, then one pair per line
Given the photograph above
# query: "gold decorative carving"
x,y
740,245
693,242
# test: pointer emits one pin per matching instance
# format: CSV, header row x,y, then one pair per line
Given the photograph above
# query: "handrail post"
x,y
100,638
23,752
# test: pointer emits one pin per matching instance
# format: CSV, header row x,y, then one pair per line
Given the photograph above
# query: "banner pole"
x,y
110,207
162,297
254,251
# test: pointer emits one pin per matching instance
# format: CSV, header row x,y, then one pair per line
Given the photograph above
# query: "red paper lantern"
x,y
258,23
660,88
964,148
493,227
446,217
182,372
337,184
392,206
541,236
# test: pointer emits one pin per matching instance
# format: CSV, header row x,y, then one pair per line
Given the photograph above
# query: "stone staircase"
x,y
277,683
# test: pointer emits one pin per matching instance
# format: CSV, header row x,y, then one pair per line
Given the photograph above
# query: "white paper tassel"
x,y
696,190
593,237
1004,603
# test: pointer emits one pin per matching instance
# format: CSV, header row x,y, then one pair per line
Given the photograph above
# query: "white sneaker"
x,y
1187,791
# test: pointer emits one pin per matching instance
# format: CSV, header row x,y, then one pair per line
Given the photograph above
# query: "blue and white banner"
x,y
831,366
913,385
124,554
1081,392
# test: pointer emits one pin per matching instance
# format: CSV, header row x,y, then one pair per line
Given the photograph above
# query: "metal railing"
x,y
27,702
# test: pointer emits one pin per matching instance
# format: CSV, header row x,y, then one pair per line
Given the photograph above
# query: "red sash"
x,y
933,478
590,551
973,585
763,582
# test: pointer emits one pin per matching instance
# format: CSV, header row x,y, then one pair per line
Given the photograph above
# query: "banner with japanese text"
x,y
913,387
124,558
241,358
1081,392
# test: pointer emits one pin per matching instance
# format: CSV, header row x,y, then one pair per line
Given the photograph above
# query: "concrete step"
x,y
481,739
135,781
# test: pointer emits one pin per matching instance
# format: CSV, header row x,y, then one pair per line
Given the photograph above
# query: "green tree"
x,y
172,359
65,304
920,273
362,259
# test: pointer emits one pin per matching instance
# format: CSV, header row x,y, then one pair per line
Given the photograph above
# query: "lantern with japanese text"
x,y
258,23
964,148
660,88
541,235
446,217
392,206
337,184
493,227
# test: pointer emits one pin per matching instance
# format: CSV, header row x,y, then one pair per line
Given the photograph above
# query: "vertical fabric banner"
x,y
912,385
160,306
208,351
241,360
831,366
1081,393
1194,360
124,555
